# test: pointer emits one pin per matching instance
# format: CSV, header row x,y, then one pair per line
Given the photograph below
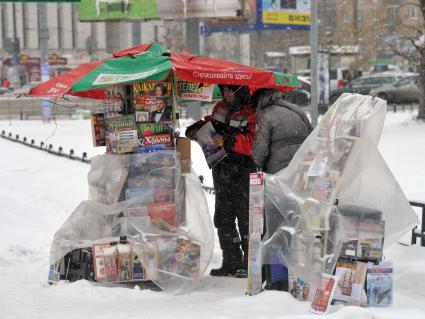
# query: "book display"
x,y
256,229
327,220
136,217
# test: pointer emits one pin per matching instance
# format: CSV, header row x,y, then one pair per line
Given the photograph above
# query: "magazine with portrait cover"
x,y
213,153
153,101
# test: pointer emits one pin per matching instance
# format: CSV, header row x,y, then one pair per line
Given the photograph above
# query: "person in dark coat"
x,y
234,122
281,129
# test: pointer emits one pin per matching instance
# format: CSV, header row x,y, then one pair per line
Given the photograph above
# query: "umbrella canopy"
x,y
61,85
155,64
152,62
147,66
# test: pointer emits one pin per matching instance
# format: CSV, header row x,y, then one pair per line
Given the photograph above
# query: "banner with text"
x,y
289,12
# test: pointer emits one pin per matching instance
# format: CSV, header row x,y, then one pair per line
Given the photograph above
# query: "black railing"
x,y
59,152
419,232
47,148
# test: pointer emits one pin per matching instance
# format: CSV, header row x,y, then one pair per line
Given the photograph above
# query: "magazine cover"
x,y
163,194
358,284
323,294
98,126
196,91
150,260
154,97
142,116
339,153
256,203
138,270
122,134
298,287
255,280
188,256
143,195
156,142
302,177
349,249
135,219
124,262
162,215
351,277
379,283
99,261
110,258
167,255
151,89
114,101
213,153
147,129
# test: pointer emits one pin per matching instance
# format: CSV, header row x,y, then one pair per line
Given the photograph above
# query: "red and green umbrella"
x,y
158,64
148,62
62,84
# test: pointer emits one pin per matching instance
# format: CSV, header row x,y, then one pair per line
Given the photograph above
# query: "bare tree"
x,y
409,44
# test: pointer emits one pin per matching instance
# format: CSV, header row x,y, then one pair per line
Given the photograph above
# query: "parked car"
x,y
365,84
405,90
301,95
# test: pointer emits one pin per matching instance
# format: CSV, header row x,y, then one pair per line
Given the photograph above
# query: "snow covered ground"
x,y
39,191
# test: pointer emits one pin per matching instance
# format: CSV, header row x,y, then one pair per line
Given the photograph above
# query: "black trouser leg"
x,y
225,219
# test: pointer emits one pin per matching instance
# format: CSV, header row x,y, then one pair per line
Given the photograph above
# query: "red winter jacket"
x,y
237,128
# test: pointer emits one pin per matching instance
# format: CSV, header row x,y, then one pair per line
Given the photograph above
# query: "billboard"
x,y
288,12
101,10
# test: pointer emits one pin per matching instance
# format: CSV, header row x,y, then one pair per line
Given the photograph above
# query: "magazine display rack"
x,y
327,200
146,219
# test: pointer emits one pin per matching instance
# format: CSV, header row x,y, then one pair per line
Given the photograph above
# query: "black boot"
x,y
232,261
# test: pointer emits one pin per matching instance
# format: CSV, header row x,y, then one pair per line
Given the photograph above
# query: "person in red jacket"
x,y
234,122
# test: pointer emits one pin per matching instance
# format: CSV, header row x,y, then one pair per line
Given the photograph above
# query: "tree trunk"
x,y
421,106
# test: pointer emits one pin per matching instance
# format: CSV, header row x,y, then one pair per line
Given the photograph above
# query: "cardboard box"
x,y
183,147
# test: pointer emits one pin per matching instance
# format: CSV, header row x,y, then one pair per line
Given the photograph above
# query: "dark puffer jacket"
x,y
281,129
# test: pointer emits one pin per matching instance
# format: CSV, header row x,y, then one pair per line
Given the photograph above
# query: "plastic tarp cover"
x,y
127,197
337,178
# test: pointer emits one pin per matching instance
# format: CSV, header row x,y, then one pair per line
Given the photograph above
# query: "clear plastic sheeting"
x,y
161,215
336,188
